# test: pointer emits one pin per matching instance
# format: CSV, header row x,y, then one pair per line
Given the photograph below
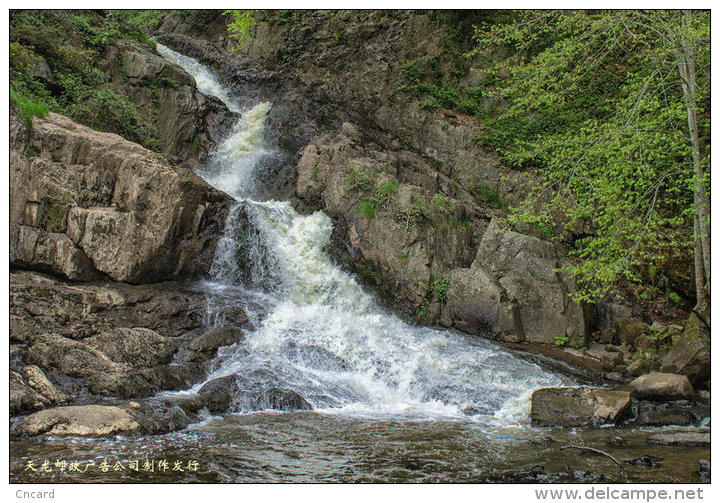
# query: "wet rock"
x,y
704,468
156,417
661,386
691,356
22,397
614,377
688,439
236,393
578,406
85,420
587,476
627,330
664,416
647,461
125,378
90,205
205,346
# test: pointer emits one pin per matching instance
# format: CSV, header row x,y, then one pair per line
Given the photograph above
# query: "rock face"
x,y
399,216
416,204
40,304
206,345
185,122
627,330
661,386
691,356
578,406
89,205
87,420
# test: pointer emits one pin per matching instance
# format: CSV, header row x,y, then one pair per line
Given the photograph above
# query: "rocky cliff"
x,y
89,205
418,206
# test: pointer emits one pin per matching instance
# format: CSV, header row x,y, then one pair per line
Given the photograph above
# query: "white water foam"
x,y
322,335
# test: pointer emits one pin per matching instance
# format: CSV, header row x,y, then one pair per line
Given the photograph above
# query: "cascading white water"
x,y
320,334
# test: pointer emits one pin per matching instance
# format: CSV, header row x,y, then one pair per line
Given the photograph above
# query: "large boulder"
x,y
86,420
662,386
578,406
514,282
88,205
691,356
235,393
124,363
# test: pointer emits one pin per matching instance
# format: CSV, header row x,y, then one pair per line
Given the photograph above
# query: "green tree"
x,y
239,27
611,111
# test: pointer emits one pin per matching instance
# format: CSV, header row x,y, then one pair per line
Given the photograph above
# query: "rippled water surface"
x,y
317,447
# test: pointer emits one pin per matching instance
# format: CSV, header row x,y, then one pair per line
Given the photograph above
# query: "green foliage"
x,y
489,196
240,26
359,182
561,341
418,213
27,109
71,43
595,109
443,202
441,286
366,209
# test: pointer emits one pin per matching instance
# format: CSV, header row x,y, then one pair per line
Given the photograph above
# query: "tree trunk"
x,y
701,220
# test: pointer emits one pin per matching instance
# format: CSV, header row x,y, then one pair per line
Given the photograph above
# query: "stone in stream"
x,y
86,420
578,406
645,460
661,386
704,468
687,439
665,414
235,393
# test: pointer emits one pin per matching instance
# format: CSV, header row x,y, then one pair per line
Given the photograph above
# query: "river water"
x,y
392,402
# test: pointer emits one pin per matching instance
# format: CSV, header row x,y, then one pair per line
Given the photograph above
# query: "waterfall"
x,y
316,332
